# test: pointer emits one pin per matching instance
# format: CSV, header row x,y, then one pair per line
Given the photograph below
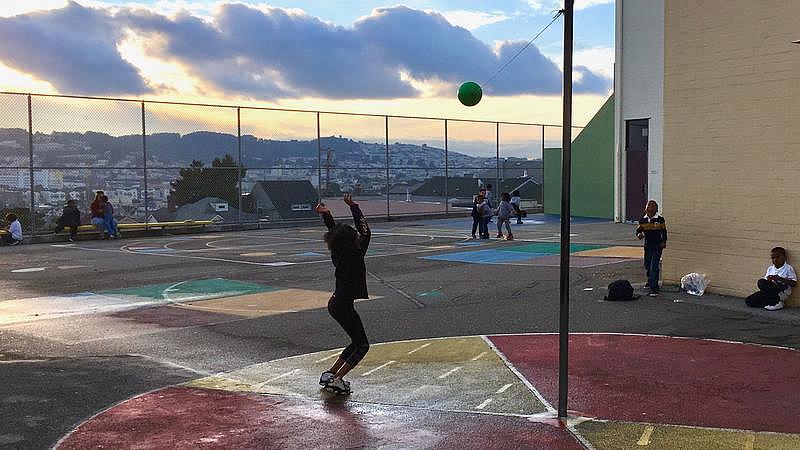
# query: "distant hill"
x,y
173,149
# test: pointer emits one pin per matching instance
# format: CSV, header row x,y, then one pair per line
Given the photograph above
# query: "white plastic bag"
x,y
694,283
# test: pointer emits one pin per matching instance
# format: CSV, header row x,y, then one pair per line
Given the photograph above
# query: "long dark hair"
x,y
342,239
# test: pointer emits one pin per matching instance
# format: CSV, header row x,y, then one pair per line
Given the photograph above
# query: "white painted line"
x,y
71,267
504,388
478,357
279,263
370,372
449,372
521,377
262,384
30,269
588,289
646,435
750,441
328,357
419,348
484,403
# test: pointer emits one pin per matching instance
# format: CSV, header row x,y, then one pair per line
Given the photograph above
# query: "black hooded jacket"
x,y
351,272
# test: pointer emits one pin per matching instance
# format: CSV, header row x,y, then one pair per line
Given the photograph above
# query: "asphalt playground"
x,y
217,340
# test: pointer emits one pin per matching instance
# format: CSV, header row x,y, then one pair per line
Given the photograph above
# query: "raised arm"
x,y
360,223
323,211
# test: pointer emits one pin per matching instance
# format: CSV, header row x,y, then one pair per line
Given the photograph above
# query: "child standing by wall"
x,y
777,284
14,228
504,212
653,229
348,246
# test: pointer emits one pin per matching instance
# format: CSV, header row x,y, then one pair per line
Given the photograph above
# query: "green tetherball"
x,y
469,93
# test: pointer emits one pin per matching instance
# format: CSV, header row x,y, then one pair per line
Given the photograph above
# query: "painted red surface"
x,y
180,417
175,316
666,380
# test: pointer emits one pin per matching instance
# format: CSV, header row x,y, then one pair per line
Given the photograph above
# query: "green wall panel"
x,y
592,169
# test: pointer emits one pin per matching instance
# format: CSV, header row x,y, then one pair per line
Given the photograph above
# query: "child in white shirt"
x,y
776,285
14,228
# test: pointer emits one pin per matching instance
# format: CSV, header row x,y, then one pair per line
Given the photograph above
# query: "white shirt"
x,y
16,230
785,271
515,200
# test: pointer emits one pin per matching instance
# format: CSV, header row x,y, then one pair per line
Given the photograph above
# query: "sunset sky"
x,y
376,57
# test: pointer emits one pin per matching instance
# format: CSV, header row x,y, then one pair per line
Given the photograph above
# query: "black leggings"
x,y
342,310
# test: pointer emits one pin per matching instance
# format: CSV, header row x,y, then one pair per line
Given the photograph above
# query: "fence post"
x,y
446,172
541,190
30,166
144,167
239,165
388,213
497,188
319,163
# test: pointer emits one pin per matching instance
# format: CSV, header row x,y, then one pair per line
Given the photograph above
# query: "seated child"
x,y
14,229
776,285
70,218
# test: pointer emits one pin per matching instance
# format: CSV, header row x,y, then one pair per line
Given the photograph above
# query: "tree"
x,y
197,182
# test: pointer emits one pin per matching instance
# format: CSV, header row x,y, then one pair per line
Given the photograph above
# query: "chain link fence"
x,y
160,161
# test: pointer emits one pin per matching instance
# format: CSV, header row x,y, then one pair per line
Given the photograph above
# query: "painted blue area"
x,y
489,256
156,250
472,242
309,254
465,223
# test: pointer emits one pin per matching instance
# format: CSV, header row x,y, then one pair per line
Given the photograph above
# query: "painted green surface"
x,y
551,248
633,436
458,373
592,169
191,290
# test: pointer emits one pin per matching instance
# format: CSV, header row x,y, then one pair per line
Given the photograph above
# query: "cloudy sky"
x,y
343,55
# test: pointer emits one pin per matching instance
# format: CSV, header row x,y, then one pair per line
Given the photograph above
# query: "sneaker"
x,y
653,294
774,307
71,239
519,222
647,285
510,237
325,378
500,236
338,386
15,243
473,236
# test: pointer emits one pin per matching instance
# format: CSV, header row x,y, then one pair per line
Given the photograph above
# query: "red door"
x,y
636,135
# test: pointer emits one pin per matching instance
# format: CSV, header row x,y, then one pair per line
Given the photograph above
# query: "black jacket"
x,y
351,272
654,229
70,217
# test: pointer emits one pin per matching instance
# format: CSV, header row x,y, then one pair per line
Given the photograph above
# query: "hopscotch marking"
x,y
419,348
484,403
370,372
449,372
646,435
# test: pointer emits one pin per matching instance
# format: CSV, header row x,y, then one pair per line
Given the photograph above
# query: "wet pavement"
x,y
217,341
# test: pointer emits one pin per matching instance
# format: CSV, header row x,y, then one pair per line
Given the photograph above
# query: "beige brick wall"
x,y
731,139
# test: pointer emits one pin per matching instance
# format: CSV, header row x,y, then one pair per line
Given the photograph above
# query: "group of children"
x,y
102,218
773,288
102,211
483,210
